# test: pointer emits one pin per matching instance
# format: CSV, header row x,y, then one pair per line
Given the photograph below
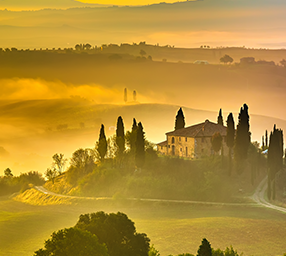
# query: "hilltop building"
x,y
193,141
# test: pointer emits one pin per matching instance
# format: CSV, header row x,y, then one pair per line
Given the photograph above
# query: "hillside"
x,y
185,24
31,138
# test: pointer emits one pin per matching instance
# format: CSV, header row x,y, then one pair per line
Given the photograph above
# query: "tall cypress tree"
x,y
266,139
102,144
120,136
180,120
275,159
230,134
140,147
125,95
133,136
242,139
263,145
220,118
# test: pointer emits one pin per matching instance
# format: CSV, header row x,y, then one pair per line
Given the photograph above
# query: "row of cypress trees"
x,y
136,142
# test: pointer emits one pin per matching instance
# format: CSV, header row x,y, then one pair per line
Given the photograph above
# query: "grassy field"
x,y
172,228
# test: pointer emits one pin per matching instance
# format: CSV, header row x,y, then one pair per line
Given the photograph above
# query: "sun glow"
x,y
126,2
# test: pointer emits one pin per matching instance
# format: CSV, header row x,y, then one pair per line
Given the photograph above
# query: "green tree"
x,y
142,53
101,146
8,173
131,137
83,160
216,142
140,147
72,242
180,120
220,118
153,251
242,139
117,231
205,248
120,136
226,59
230,135
59,162
283,63
266,139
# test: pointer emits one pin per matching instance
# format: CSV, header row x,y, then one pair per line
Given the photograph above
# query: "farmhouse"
x,y
193,141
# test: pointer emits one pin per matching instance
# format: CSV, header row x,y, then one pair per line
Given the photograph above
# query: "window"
x,y
179,138
161,147
181,149
173,140
173,150
186,139
186,151
169,146
202,150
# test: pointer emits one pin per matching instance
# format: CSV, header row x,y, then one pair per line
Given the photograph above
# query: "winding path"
x,y
257,197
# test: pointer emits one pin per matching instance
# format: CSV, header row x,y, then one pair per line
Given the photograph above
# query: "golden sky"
x,y
127,2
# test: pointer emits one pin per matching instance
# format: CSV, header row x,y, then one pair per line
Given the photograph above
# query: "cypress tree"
x,y
102,144
205,248
263,145
180,120
220,118
266,139
133,136
242,139
275,159
216,142
140,147
120,136
125,95
230,134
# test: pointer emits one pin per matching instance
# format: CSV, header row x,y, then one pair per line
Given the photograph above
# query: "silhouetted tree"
x,y
72,242
220,118
180,120
140,147
83,160
205,248
117,231
59,162
266,139
102,144
263,145
125,95
230,135
216,142
226,59
120,136
8,173
275,159
242,138
51,174
134,96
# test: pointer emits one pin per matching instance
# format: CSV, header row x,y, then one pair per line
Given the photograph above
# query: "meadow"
x,y
172,228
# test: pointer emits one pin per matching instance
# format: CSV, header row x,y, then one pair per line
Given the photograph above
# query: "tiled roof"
x,y
206,129
161,144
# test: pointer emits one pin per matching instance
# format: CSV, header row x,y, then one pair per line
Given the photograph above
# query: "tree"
x,y
59,162
83,160
220,118
87,46
120,136
72,242
275,159
263,144
117,231
102,144
131,137
140,147
51,174
125,95
8,173
180,120
242,139
230,134
153,251
134,96
226,59
216,142
205,248
266,139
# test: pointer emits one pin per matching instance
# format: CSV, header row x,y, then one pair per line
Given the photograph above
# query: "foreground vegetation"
x,y
172,228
